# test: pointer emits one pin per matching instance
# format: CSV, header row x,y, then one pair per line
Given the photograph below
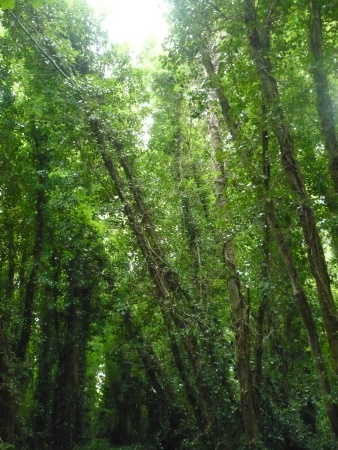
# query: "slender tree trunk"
x,y
172,296
8,400
68,408
11,260
240,312
31,286
328,121
66,389
12,354
307,317
238,304
47,359
324,101
258,350
265,271
300,297
165,392
32,283
190,226
258,42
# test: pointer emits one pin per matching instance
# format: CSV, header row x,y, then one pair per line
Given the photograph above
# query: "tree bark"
x,y
328,121
190,226
265,270
238,305
172,296
8,400
258,42
307,317
31,287
47,358
324,101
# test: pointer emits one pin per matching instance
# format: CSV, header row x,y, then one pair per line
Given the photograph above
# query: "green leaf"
x,y
36,3
6,4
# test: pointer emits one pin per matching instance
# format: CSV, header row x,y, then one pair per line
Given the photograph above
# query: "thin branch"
x,y
37,45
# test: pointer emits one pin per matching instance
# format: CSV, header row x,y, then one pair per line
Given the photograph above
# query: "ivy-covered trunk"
x,y
238,303
307,317
73,332
39,140
324,102
259,45
171,294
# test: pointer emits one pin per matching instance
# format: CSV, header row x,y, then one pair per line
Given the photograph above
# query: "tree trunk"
x,y
328,122
265,270
47,357
68,408
238,305
172,296
307,317
324,101
8,400
258,42
32,282
190,226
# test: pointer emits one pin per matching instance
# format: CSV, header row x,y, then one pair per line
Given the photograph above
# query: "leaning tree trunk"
x,y
258,43
307,317
324,101
298,291
190,226
238,304
172,296
272,222
166,397
328,121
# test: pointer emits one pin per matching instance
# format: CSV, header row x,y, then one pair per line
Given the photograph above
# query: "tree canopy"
x,y
7,4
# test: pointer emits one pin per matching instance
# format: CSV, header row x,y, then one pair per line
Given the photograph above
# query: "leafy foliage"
x,y
9,4
159,285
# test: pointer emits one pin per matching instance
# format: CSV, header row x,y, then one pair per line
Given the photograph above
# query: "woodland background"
x,y
169,229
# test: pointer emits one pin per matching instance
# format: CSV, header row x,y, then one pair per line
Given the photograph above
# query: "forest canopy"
x,y
169,224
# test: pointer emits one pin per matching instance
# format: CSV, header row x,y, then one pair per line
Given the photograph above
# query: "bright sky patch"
x,y
132,21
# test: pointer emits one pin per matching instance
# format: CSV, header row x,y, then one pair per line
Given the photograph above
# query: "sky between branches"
x,y
132,21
